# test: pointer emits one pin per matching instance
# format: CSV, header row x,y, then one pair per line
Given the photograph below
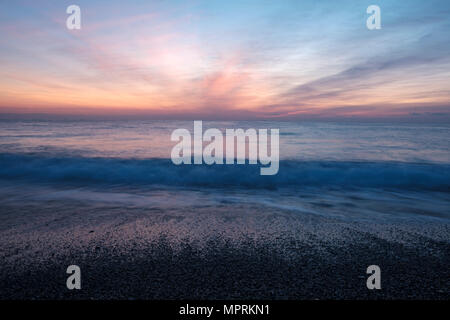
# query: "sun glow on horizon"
x,y
237,59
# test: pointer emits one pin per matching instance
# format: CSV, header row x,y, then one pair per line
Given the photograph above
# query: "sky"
x,y
258,59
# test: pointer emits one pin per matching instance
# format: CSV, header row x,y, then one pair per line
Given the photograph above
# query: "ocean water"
x,y
348,171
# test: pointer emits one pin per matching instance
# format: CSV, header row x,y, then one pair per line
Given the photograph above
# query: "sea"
x,y
350,171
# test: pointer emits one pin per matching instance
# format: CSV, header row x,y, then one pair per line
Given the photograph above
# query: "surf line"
x,y
213,153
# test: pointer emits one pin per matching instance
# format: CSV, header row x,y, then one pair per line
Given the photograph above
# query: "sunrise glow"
x,y
217,59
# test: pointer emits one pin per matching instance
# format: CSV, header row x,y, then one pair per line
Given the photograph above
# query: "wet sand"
x,y
234,251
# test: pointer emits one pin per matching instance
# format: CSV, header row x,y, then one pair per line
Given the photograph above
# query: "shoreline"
x,y
231,252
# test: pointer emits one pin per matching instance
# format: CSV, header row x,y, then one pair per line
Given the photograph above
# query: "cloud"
x,y
182,60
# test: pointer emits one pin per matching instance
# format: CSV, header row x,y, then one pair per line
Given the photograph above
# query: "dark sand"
x,y
233,251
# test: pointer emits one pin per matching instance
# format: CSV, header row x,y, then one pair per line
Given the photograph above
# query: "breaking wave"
x,y
292,173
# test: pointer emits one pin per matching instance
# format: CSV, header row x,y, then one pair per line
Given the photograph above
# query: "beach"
x,y
230,251
238,151
102,197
